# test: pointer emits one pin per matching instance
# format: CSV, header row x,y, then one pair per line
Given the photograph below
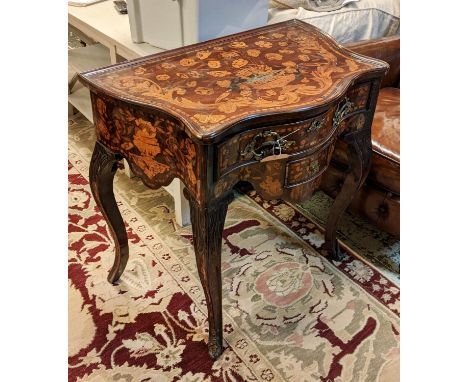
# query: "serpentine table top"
x,y
213,85
264,106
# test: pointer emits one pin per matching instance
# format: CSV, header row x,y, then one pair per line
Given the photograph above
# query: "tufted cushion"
x,y
378,206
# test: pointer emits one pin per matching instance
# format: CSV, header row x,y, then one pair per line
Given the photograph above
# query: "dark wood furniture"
x,y
378,200
264,106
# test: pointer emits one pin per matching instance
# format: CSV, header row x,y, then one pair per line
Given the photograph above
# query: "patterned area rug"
x,y
289,313
378,247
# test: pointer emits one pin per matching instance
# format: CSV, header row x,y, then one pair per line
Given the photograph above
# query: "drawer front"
x,y
308,168
257,144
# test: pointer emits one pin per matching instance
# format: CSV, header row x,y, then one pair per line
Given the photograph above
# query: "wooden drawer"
x,y
254,145
308,168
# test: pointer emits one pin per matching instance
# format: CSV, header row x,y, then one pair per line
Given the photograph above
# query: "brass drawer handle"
x,y
258,149
316,125
342,112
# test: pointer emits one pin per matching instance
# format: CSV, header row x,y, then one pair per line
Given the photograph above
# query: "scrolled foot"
x,y
119,266
334,252
207,227
215,347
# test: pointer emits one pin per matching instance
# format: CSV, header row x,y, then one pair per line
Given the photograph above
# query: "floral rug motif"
x,y
146,328
353,265
380,248
289,313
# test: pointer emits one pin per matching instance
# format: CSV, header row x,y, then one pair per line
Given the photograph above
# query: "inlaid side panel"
x,y
355,123
154,144
359,95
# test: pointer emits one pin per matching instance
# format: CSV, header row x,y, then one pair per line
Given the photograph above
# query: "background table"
x,y
108,39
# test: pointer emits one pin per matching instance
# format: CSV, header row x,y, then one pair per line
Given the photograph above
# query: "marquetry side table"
x,y
264,106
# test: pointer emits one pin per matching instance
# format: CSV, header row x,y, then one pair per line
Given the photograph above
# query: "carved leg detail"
x,y
359,156
101,175
207,227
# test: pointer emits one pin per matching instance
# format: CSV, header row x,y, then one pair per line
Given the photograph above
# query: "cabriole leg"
x,y
359,156
207,227
101,176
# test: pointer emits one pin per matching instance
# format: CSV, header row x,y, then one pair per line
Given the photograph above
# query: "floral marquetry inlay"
x,y
155,145
211,85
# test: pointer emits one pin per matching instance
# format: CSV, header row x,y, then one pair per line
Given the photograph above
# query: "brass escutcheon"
x,y
314,166
342,112
258,150
316,125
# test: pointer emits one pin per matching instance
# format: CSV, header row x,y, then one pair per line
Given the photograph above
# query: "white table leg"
x,y
113,54
71,110
127,169
176,190
181,204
